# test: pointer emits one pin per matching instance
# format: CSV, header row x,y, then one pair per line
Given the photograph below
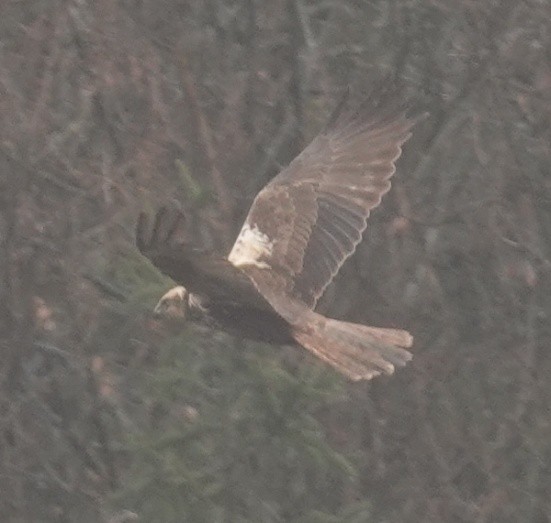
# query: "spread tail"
x,y
357,351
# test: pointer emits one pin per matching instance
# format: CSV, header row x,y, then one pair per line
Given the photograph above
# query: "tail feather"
x,y
357,351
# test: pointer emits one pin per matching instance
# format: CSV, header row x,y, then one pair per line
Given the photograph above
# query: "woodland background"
x,y
110,107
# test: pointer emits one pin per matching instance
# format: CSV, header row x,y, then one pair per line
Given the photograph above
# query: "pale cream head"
x,y
174,303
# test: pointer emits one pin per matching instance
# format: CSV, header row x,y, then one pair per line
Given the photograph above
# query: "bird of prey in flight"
x,y
300,229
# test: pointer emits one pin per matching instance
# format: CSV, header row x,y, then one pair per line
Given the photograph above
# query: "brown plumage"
x,y
299,231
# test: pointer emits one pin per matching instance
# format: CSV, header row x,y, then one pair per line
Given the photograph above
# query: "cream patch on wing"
x,y
250,247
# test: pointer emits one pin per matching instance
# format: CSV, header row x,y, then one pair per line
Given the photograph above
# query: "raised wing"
x,y
199,272
308,220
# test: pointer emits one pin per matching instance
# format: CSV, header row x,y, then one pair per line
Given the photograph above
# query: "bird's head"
x,y
174,304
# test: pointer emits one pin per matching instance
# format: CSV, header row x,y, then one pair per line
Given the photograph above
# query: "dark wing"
x,y
199,272
308,220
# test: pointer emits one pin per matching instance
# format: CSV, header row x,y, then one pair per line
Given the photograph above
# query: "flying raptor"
x,y
300,229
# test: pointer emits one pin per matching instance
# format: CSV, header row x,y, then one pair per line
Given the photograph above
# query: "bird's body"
x,y
242,320
218,294
299,231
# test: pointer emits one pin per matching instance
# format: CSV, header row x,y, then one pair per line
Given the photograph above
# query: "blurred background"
x,y
108,415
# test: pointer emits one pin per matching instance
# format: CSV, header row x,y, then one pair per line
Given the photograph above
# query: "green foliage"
x,y
197,195
233,435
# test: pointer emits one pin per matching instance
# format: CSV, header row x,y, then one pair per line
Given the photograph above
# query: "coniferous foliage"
x,y
113,107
